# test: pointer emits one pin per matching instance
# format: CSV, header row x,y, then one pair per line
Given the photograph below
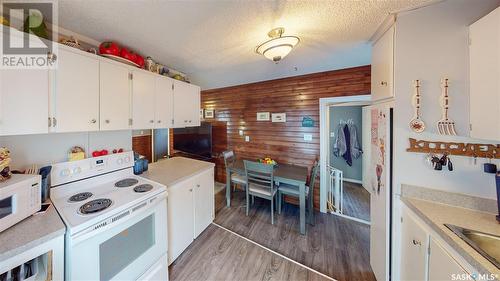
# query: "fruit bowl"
x,y
267,161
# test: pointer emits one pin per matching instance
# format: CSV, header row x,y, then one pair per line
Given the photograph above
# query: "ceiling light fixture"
x,y
278,46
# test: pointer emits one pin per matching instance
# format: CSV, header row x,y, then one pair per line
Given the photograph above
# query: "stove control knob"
x,y
77,170
65,172
119,161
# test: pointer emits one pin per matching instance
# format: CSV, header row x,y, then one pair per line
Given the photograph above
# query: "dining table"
x,y
283,173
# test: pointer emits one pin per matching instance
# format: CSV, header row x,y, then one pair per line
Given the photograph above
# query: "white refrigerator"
x,y
380,184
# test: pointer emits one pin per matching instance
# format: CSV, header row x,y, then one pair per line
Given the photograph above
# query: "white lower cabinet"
x,y
423,256
414,249
442,266
190,211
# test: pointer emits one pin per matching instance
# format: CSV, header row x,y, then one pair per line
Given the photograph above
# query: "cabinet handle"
x,y
107,121
50,122
416,242
93,121
190,190
51,57
151,121
383,83
159,121
54,121
189,121
197,185
185,121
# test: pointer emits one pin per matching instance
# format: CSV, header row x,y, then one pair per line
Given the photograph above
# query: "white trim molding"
x,y
324,124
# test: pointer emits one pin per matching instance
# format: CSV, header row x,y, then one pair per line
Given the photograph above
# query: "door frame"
x,y
324,125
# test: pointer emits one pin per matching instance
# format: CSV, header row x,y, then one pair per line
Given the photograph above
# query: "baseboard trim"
x,y
274,252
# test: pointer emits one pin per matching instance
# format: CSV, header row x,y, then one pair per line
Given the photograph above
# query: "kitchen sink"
x,y
488,245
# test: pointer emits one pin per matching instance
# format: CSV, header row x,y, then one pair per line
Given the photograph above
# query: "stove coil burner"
x,y
126,182
95,206
143,188
80,197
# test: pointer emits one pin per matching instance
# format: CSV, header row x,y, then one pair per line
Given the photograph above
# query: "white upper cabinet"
x,y
383,66
164,102
115,108
484,50
76,92
187,104
143,100
24,101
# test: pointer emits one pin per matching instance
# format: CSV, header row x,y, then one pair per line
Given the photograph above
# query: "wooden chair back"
x,y
259,173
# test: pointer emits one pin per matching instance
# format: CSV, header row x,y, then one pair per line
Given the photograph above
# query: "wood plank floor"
x,y
218,254
335,246
356,201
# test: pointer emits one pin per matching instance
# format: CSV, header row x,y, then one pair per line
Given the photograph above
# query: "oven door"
x,y
124,251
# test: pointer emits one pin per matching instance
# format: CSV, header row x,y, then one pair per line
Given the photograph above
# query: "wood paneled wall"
x,y
297,97
142,145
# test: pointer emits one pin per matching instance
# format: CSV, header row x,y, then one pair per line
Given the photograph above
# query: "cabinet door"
x,y
164,102
143,100
485,77
186,104
77,92
414,245
203,201
114,97
180,218
24,101
441,265
383,66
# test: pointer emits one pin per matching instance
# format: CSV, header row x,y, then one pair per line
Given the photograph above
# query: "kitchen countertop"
x,y
437,214
176,169
30,232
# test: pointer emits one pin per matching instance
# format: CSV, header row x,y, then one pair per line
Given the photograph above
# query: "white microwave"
x,y
20,197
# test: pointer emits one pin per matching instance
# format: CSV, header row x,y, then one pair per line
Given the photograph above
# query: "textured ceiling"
x,y
214,41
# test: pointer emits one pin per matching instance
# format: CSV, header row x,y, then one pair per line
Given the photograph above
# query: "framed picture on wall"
x,y
262,116
209,113
278,117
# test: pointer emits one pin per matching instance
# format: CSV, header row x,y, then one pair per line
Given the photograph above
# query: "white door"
x,y
24,101
114,97
164,102
441,265
77,92
180,218
383,66
186,104
380,185
414,244
143,100
203,201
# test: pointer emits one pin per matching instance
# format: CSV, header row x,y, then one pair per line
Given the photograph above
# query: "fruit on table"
x,y
109,48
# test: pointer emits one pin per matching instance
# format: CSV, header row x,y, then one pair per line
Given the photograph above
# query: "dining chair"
x,y
293,190
260,183
229,159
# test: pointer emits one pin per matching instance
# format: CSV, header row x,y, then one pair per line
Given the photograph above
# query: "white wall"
x,y
432,43
53,148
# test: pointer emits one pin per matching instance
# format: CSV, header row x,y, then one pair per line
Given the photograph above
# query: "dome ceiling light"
x,y
278,46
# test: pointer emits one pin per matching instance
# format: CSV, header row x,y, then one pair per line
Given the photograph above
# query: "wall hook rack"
x,y
476,150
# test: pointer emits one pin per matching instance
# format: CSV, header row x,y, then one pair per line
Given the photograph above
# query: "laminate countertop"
x,y
175,170
437,214
30,232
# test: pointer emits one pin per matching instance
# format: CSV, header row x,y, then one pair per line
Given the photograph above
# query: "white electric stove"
x,y
116,221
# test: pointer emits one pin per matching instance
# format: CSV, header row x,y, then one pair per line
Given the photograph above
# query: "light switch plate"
x,y
308,137
247,138
332,134
241,132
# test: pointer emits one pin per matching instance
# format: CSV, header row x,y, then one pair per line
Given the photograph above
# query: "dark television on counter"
x,y
194,140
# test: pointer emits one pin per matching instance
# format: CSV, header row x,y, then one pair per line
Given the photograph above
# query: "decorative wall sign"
x,y
307,121
262,116
209,113
278,117
479,150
